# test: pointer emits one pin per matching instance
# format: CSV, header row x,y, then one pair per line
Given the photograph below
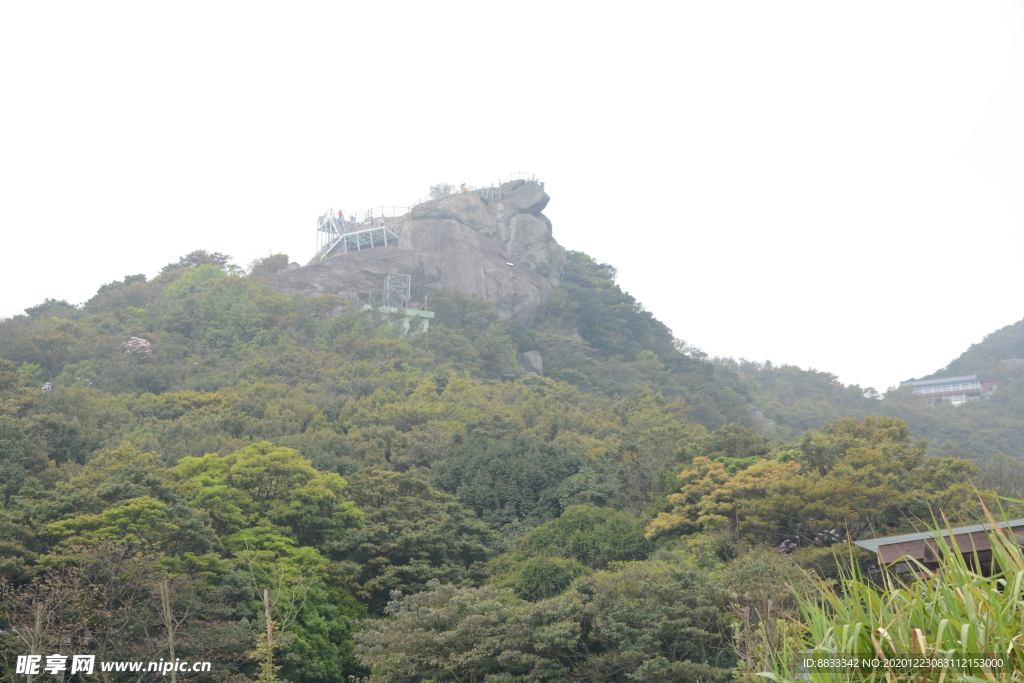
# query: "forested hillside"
x,y
799,399
199,466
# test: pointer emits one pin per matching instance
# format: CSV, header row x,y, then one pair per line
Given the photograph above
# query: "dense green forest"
x,y
200,467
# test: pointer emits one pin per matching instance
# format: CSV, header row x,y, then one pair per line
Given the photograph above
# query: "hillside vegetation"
x,y
183,459
984,431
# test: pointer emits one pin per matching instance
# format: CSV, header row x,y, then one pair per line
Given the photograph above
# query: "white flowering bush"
x,y
136,350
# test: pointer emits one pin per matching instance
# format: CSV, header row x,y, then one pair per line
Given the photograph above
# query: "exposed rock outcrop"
x,y
532,363
463,242
761,423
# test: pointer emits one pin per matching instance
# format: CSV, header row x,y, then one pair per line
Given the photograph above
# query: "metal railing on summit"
x,y
331,226
490,193
519,175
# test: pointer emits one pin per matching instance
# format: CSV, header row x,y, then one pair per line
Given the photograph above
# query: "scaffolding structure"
x,y
395,304
397,290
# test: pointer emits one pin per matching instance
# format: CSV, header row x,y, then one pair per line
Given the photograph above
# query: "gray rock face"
x,y
761,423
532,363
462,242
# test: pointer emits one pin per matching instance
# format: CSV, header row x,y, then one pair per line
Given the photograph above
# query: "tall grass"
x,y
949,613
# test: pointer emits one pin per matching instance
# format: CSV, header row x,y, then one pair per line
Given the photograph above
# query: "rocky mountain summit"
x,y
496,244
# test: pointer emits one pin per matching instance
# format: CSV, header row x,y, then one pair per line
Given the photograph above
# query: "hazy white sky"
x,y
834,185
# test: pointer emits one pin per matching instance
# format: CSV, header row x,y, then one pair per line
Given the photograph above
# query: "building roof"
x,y
941,380
873,544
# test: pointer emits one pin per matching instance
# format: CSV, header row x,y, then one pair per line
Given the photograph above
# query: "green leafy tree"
x,y
549,557
51,308
849,479
412,534
121,295
471,315
264,485
198,259
513,480
268,265
657,621
650,621
822,449
537,578
441,634
22,457
594,536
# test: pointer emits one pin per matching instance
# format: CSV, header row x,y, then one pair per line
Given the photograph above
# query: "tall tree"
x,y
412,534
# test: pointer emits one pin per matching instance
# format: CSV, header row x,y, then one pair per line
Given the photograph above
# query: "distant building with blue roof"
x,y
955,390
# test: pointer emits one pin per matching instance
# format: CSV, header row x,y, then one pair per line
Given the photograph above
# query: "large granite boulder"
x,y
532,363
500,248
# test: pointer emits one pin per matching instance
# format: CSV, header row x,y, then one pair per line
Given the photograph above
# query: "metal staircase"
x,y
340,236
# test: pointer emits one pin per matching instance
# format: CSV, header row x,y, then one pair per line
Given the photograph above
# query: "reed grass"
x,y
947,614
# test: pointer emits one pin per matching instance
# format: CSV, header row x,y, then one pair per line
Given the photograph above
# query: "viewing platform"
x,y
342,232
339,236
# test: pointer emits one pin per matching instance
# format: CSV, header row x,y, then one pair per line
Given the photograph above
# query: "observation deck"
x,y
370,229
339,236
